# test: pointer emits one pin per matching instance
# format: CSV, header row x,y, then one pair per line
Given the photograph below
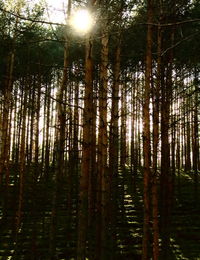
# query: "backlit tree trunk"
x,y
196,136
114,145
156,108
4,156
123,129
103,143
37,130
114,122
86,153
22,162
146,135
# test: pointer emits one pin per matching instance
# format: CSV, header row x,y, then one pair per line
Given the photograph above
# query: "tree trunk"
x,y
114,145
22,163
4,156
146,135
123,142
166,174
86,154
156,108
114,122
37,130
196,137
102,145
47,139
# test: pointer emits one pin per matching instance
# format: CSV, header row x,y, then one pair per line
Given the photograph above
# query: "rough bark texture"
x,y
103,143
86,154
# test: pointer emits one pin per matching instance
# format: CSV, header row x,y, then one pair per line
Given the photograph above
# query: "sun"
x,y
82,21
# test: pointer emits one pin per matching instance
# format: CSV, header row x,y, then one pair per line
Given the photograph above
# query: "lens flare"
x,y
82,21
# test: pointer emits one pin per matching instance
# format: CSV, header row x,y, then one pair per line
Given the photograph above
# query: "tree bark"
x,y
4,156
22,164
156,108
86,154
103,144
166,174
146,135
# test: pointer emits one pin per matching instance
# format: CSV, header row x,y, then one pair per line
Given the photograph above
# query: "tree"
x,y
146,134
103,177
86,150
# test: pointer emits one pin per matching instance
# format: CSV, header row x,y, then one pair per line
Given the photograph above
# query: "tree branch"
x,y
29,19
179,42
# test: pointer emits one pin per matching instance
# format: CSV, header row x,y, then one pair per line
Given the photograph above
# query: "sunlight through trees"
x,y
99,129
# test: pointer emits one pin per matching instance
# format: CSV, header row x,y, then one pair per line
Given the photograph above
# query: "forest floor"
x,y
34,238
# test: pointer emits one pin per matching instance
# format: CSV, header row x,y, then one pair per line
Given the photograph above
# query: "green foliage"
x,y
187,52
40,51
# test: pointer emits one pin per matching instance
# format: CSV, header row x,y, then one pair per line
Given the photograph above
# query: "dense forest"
x,y
99,132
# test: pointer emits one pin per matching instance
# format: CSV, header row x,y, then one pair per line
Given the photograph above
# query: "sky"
x,y
56,10
81,20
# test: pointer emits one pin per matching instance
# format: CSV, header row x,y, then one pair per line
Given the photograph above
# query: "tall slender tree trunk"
x,y
14,138
196,137
37,125
86,153
165,164
114,145
47,139
188,138
166,174
123,142
103,144
76,128
114,122
61,108
4,156
32,115
156,108
146,135
22,163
